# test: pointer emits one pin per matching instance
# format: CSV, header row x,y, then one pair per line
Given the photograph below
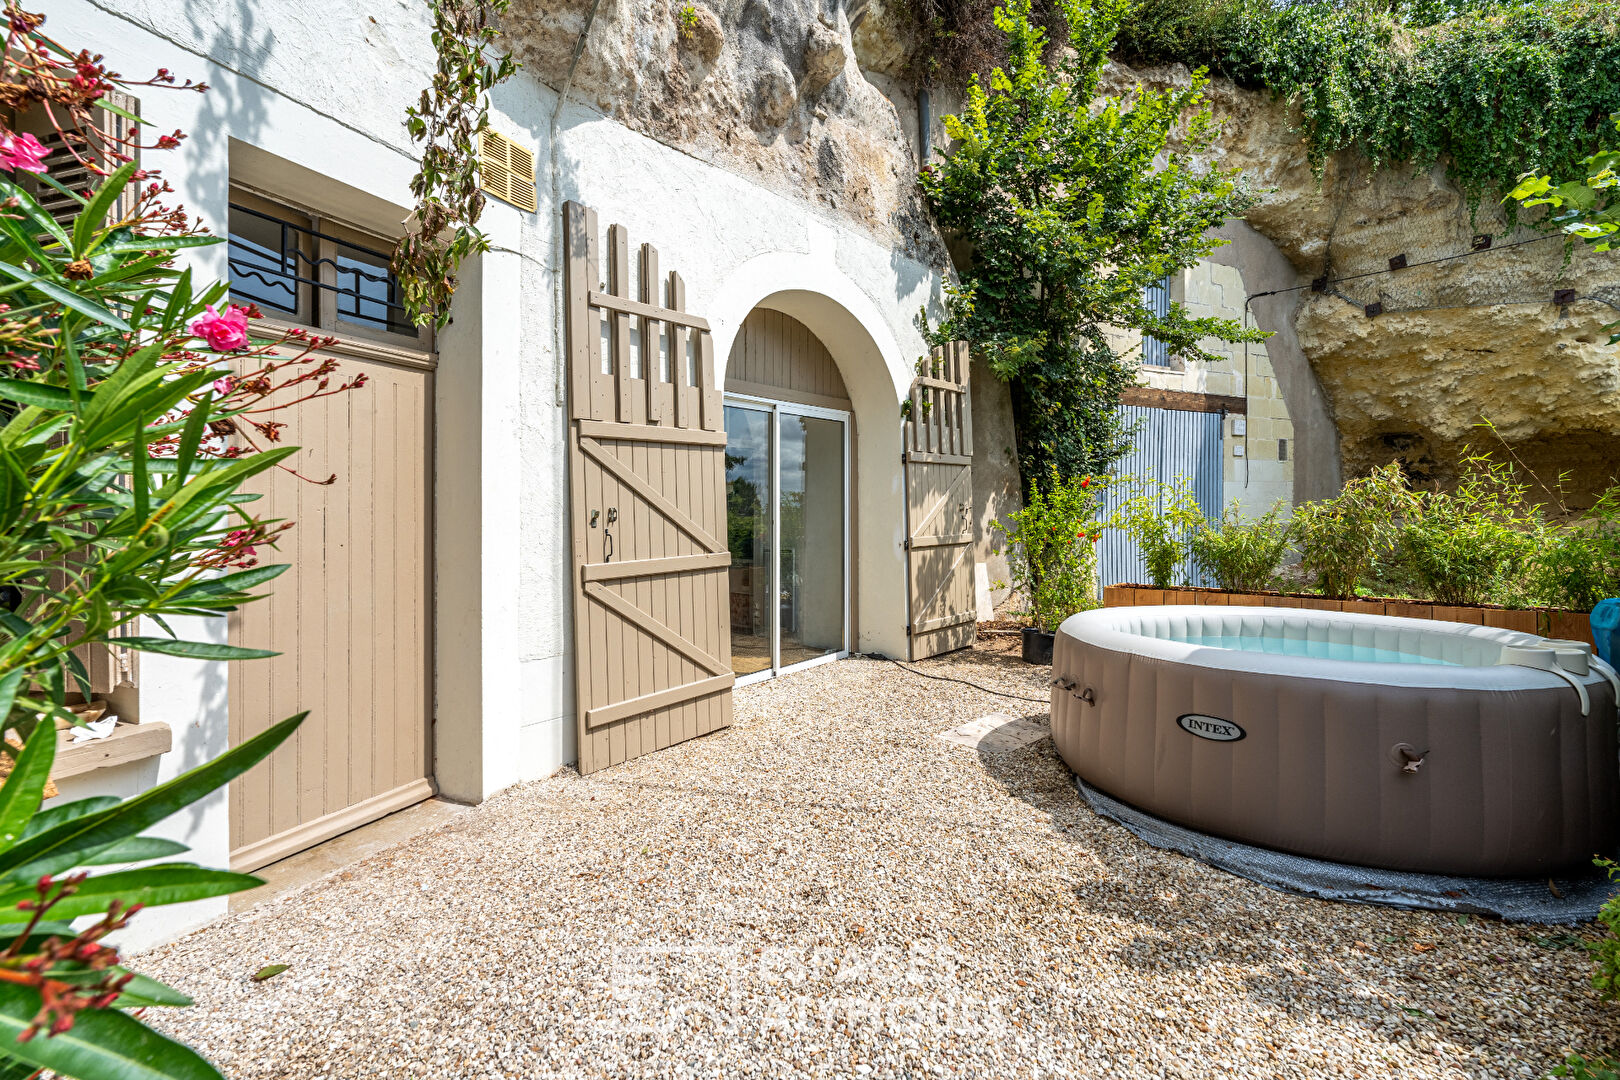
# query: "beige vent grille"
x,y
506,170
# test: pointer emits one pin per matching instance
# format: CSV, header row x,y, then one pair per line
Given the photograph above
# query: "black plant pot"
x,y
1038,645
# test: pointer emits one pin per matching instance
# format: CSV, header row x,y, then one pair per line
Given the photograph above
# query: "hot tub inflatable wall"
x,y
1475,767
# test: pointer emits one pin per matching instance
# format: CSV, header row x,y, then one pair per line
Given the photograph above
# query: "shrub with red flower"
x,y
138,404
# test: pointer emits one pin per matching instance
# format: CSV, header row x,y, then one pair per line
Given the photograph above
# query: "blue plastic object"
x,y
1606,629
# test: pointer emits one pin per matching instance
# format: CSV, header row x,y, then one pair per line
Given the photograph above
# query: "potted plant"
x,y
1052,556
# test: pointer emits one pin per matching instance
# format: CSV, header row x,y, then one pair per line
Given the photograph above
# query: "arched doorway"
x,y
789,443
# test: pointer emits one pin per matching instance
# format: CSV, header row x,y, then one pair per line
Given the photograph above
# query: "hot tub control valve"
x,y
1407,756
1085,695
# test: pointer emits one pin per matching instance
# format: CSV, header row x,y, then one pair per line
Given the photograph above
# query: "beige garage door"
x,y
352,619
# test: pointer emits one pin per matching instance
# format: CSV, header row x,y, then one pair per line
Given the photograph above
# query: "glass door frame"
x,y
776,410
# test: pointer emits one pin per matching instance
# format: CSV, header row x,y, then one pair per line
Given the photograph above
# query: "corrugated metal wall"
x,y
1169,443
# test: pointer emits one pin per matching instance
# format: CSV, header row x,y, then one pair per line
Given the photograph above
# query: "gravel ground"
x,y
830,889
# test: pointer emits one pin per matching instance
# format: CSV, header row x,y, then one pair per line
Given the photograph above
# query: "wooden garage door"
x,y
352,619
647,508
939,506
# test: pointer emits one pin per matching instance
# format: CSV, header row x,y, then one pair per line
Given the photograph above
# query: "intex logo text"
x,y
1210,727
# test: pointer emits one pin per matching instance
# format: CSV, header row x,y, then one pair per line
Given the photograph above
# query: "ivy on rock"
x,y
1491,89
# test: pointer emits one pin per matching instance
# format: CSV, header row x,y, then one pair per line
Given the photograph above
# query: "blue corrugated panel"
x,y
1168,443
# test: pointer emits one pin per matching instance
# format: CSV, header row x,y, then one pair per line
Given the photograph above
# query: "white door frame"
x,y
777,409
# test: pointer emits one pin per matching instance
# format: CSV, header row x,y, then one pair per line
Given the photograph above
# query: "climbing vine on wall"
x,y
448,120
1493,89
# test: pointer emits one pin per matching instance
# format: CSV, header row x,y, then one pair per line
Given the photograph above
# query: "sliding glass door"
x,y
787,507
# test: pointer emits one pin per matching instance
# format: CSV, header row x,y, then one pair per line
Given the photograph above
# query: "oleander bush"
x,y
1243,555
133,410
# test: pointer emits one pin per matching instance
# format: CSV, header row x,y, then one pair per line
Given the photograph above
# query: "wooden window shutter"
x,y
506,170
71,174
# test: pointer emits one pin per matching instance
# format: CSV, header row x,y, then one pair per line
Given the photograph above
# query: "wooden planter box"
x,y
1548,622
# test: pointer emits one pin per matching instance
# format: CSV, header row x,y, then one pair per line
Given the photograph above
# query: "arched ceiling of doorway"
x,y
776,355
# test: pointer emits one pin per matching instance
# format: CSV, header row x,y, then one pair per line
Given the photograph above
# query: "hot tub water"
x,y
1314,650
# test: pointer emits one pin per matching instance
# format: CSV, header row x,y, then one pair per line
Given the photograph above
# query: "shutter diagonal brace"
x,y
627,476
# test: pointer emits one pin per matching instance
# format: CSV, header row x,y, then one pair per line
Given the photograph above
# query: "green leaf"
x,y
194,650
12,1069
145,990
102,1044
8,692
65,297
190,438
40,395
21,793
55,815
269,971
153,886
61,847
159,243
237,582
136,849
95,212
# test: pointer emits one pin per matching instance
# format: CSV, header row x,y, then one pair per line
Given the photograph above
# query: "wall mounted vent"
x,y
506,171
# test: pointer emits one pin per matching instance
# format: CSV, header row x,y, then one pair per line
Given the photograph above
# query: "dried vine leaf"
x,y
447,120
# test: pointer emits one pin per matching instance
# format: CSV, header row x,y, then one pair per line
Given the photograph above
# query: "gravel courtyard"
x,y
830,889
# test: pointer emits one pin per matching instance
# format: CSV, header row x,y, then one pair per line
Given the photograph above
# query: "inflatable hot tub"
x,y
1403,744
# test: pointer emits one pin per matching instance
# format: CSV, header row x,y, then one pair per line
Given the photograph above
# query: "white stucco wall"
x,y
308,101
737,246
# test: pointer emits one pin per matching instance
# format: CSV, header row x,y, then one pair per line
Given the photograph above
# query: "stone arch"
x,y
876,375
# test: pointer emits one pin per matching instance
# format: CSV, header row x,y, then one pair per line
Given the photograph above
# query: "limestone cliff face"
x,y
770,89
1459,339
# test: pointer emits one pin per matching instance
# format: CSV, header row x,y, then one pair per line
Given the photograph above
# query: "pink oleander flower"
x,y
225,385
22,151
224,333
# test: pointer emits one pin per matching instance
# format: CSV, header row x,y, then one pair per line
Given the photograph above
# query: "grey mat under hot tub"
x,y
1514,900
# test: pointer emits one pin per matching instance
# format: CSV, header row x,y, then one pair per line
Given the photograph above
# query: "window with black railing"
x,y
311,272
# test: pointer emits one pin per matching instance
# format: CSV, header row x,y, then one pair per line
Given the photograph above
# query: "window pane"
x,y
812,524
266,260
368,292
748,533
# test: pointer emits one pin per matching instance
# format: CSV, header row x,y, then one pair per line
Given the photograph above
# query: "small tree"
x,y
1243,555
1073,207
1342,539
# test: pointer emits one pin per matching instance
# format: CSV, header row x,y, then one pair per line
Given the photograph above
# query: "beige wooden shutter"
x,y
506,170
652,622
939,506
66,170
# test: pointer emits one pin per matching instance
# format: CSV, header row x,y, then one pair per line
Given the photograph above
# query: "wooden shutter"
x,y
652,629
67,171
939,506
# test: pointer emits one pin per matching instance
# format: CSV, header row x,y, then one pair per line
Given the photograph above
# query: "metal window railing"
x,y
366,293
